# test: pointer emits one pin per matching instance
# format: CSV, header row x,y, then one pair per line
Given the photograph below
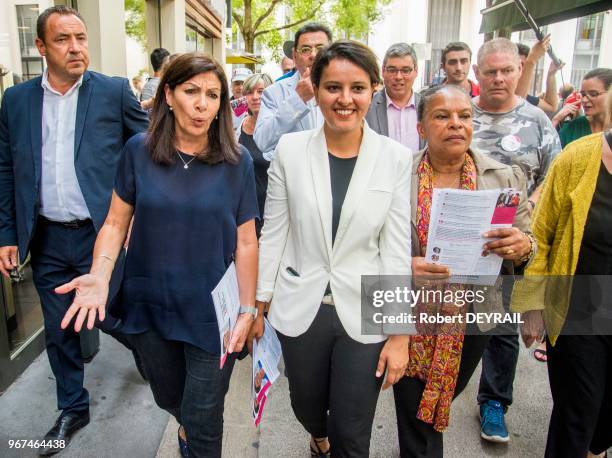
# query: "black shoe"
x,y
183,448
65,426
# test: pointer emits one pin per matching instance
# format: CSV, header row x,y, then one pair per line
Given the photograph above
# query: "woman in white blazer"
x,y
337,208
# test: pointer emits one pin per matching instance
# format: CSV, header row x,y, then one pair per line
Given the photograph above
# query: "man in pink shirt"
x,y
394,110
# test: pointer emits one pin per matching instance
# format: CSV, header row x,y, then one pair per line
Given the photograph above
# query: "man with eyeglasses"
x,y
393,112
289,105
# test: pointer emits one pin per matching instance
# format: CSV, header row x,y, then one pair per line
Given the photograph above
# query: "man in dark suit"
x,y
393,112
61,136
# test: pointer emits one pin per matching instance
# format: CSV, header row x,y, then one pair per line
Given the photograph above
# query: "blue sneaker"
x,y
492,424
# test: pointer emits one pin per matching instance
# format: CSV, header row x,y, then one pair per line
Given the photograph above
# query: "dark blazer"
x,y
108,114
377,115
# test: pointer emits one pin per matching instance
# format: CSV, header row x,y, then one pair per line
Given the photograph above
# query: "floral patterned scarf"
x,y
435,353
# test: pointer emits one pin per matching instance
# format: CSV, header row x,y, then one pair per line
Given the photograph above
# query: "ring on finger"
x,y
509,251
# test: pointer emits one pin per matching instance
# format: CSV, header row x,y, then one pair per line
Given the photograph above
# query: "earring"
x,y
216,116
170,107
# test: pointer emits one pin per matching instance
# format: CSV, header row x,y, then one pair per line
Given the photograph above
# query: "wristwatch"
x,y
250,310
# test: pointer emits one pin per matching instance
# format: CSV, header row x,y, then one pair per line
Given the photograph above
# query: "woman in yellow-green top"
x,y
573,228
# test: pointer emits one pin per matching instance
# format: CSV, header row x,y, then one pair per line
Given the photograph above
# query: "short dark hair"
x,y
353,51
401,50
602,74
157,58
430,93
455,46
62,10
310,28
523,49
222,144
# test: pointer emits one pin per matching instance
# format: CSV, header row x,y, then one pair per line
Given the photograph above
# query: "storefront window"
x,y
197,39
191,41
31,62
22,310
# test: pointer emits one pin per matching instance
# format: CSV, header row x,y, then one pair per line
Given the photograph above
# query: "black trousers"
x,y
580,375
329,371
417,438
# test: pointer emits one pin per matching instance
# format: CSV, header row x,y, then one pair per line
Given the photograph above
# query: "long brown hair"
x,y
161,136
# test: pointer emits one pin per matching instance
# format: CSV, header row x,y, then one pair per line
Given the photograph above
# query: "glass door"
x,y
21,324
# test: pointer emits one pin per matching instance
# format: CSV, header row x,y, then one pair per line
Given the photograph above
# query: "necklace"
x,y
454,183
185,164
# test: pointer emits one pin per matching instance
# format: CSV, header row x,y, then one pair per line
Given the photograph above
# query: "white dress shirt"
x,y
61,198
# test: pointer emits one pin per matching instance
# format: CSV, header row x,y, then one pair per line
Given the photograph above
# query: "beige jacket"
x,y
491,174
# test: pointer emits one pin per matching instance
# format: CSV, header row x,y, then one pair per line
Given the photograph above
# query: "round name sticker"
x,y
511,143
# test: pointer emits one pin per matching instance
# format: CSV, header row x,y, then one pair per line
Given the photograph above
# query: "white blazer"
x,y
373,235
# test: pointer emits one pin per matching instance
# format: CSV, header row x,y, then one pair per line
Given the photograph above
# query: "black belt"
x,y
74,224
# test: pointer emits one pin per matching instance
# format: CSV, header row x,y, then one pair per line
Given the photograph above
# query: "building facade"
x,y
582,43
428,25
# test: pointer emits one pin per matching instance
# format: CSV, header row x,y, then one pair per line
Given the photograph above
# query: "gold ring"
x,y
509,251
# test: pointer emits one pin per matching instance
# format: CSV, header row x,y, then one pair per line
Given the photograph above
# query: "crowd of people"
x,y
133,209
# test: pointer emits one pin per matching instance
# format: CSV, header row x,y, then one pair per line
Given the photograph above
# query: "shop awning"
x,y
504,14
242,59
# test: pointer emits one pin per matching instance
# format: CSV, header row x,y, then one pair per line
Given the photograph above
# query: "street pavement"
x,y
280,434
127,423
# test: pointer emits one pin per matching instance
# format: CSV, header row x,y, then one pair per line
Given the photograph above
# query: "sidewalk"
x,y
280,434
127,423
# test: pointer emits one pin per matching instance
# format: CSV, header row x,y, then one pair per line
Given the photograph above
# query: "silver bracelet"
x,y
105,256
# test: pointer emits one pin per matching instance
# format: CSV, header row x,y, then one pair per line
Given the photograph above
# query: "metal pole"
x,y
532,23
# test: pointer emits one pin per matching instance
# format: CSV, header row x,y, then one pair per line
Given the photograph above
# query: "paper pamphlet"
x,y
266,356
458,219
227,306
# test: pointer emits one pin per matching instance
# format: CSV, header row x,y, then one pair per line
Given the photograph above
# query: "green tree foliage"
x,y
256,20
135,20
352,19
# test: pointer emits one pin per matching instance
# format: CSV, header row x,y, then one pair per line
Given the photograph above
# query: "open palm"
x,y
91,293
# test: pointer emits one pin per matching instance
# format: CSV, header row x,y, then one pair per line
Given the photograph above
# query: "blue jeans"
x,y
500,358
187,382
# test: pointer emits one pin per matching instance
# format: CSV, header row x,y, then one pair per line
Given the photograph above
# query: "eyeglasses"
x,y
405,71
591,94
307,50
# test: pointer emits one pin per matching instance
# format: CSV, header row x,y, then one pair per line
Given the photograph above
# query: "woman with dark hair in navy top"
x,y
191,191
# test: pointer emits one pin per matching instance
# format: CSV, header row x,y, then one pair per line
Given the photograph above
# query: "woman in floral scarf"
x,y
443,358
